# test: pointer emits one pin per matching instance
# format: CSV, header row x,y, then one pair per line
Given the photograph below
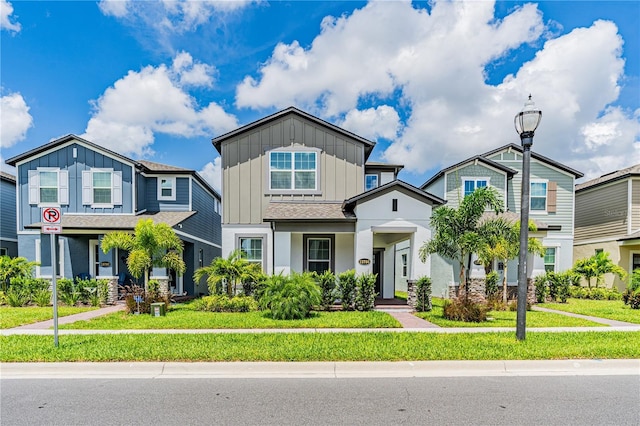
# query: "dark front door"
x,y
377,269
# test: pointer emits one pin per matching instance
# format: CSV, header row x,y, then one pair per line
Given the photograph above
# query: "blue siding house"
x,y
97,191
8,230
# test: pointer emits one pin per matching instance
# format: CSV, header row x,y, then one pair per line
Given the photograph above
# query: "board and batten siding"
x,y
602,212
62,158
455,186
245,168
635,205
8,204
181,203
205,224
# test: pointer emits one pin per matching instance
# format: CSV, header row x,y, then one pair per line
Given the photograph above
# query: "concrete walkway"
x,y
609,322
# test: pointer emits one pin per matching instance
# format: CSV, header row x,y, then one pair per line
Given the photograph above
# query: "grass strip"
x,y
506,319
373,346
13,317
610,309
182,317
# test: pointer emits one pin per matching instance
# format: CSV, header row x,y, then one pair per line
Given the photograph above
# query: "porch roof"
x,y
316,211
117,221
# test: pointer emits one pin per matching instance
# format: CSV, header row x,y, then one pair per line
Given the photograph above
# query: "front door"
x,y
377,269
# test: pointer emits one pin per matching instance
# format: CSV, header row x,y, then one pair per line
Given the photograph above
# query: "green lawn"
x,y
183,317
13,317
506,319
610,309
367,346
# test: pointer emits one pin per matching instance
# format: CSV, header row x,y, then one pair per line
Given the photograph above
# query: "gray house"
x,y
8,232
551,204
97,191
300,196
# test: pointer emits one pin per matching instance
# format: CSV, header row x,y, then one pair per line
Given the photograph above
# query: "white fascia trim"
x,y
12,240
71,142
174,188
184,234
596,241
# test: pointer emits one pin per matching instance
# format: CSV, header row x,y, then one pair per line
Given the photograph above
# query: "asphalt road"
x,y
537,400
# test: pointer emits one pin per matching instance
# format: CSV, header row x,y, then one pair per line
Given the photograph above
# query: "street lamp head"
x,y
526,121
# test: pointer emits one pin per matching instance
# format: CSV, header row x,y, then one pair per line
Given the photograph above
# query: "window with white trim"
x,y
101,188
538,196
471,184
550,259
293,170
166,188
251,248
370,182
48,186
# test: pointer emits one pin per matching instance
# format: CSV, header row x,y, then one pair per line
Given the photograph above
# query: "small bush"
x,y
327,283
222,303
42,298
365,292
464,310
290,297
17,297
346,289
423,294
631,295
492,289
542,288
560,285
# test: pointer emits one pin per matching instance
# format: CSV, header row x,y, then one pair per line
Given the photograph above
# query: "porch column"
x,y
282,252
364,250
417,268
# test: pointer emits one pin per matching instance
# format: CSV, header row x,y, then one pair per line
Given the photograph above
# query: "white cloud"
x,y
373,123
436,61
171,15
6,9
154,100
212,173
15,119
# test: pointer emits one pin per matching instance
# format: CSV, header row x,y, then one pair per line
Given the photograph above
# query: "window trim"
x,y
88,188
377,176
173,181
62,187
555,258
475,180
293,149
305,249
546,196
631,254
260,237
93,188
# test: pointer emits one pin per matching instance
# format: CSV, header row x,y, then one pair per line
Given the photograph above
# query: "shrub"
x,y
17,297
29,286
365,292
3,298
542,288
327,283
492,290
631,295
42,298
423,294
346,289
559,285
464,310
223,303
290,297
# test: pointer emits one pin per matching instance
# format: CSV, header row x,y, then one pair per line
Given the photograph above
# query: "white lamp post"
x,y
526,122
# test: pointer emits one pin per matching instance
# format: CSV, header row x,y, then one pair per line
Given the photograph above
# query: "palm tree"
x,y
502,243
150,245
597,266
456,233
231,270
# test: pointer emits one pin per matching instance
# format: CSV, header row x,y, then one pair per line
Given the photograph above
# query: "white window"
x,y
550,259
251,248
471,184
538,196
48,186
293,170
370,182
167,188
101,188
318,255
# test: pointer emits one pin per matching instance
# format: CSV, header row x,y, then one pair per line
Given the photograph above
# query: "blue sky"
x,y
431,82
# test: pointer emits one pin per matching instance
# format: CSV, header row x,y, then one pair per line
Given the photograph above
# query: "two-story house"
x,y
8,231
608,219
551,204
300,196
98,191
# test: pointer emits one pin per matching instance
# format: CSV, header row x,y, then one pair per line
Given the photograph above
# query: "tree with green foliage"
x,y
456,233
14,267
150,245
290,297
502,243
596,267
228,272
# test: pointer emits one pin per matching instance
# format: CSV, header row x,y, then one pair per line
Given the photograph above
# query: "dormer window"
x,y
293,170
166,188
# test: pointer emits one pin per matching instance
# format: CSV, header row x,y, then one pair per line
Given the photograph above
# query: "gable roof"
x,y
152,166
306,211
610,177
7,176
68,138
479,158
538,157
390,186
217,141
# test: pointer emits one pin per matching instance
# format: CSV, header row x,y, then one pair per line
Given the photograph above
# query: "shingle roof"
x,y
117,222
537,156
159,167
305,211
610,177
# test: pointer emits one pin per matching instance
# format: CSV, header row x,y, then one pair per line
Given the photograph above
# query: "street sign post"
x,y
51,225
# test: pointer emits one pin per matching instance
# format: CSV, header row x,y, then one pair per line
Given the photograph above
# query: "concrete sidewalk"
x,y
202,370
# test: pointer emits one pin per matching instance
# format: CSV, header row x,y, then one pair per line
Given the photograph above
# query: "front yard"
x,y
13,317
610,309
